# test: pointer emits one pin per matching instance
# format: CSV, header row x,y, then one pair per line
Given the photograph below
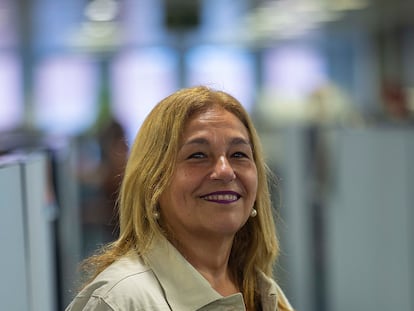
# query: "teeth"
x,y
221,197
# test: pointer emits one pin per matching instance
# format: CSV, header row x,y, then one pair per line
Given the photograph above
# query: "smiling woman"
x,y
196,223
214,185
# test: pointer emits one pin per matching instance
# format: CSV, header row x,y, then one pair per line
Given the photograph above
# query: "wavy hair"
x,y
149,170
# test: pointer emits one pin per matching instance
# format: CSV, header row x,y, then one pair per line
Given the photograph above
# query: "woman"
x,y
196,224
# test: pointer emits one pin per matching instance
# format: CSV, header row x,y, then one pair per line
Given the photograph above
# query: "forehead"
x,y
214,118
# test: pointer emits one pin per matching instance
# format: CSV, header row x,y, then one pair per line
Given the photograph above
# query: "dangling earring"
x,y
156,214
253,213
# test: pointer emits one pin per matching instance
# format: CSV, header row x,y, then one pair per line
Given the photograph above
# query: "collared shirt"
x,y
163,280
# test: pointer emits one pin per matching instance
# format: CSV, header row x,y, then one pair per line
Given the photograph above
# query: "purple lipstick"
x,y
222,197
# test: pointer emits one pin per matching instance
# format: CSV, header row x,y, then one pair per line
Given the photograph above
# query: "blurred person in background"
x,y
196,225
100,184
114,155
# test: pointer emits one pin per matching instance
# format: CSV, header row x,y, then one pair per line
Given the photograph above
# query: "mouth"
x,y
223,197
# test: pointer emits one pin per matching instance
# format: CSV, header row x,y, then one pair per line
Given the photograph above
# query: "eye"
x,y
239,154
197,155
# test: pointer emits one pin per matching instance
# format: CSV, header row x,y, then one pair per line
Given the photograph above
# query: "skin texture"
x,y
212,191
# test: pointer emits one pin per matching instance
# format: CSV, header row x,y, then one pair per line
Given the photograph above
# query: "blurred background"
x,y
329,84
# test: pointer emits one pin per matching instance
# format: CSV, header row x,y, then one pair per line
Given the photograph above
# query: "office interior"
x,y
329,85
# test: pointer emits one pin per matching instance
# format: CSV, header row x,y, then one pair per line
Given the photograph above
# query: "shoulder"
x,y
282,299
127,284
272,294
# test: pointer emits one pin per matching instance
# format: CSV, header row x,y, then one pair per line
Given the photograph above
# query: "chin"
x,y
228,228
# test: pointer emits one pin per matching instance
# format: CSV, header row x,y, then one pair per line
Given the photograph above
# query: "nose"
x,y
223,170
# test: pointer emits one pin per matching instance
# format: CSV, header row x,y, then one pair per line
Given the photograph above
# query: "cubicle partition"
x,y
14,267
27,241
41,213
39,235
348,218
370,230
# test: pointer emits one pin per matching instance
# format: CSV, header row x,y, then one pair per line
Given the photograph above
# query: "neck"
x,y
210,257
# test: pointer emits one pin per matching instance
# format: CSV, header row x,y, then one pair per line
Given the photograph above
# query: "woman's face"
x,y
213,188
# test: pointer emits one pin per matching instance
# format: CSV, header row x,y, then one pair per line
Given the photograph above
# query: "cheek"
x,y
188,179
254,193
254,186
252,174
180,183
164,199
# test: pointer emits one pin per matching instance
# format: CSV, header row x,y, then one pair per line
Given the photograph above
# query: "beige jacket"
x,y
167,282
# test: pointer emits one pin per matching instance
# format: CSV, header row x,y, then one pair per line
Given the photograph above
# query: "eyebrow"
x,y
204,141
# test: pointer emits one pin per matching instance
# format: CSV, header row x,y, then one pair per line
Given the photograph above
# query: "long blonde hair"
x,y
149,170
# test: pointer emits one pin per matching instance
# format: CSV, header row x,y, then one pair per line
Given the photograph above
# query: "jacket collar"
x,y
186,289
